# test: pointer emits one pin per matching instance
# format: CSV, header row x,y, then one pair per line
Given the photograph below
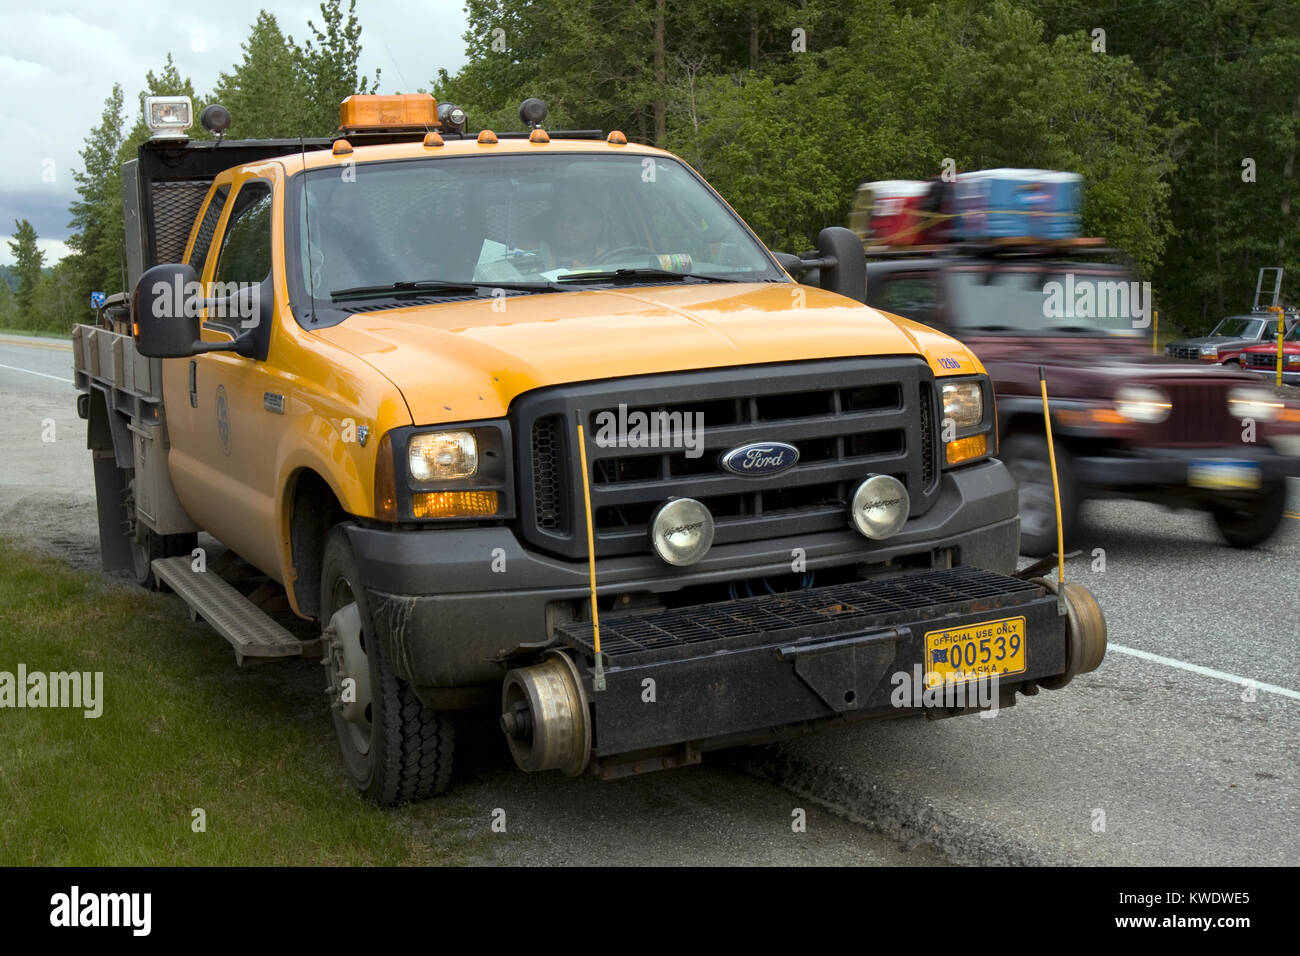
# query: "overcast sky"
x,y
59,60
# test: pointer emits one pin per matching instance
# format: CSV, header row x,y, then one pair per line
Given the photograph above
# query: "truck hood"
x,y
463,361
1221,341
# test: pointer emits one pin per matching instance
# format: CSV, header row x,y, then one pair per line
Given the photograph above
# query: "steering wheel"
x,y
605,257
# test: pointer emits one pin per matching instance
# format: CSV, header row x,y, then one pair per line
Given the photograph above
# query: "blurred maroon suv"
x,y
1126,423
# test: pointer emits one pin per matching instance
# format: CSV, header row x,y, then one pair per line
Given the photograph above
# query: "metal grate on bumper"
x,y
814,612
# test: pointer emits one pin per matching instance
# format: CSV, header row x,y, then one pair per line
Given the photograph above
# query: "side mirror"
x,y
844,264
791,263
166,308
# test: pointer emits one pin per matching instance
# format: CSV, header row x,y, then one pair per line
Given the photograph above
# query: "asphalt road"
x,y
1181,749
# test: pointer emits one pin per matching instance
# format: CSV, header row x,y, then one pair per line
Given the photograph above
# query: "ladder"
x,y
1259,286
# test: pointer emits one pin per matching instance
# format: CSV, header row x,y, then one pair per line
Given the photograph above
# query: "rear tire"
x,y
403,751
147,545
1026,457
1253,520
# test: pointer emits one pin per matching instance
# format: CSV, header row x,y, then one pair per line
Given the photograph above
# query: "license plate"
x,y
1223,473
960,654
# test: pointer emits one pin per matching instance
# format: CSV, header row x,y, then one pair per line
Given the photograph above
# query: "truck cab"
x,y
646,498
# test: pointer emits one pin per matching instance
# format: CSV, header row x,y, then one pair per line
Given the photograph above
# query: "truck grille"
x,y
849,418
1259,360
1186,352
1199,415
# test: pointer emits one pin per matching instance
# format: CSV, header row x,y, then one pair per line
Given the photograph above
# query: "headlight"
x,y
443,456
879,507
963,403
681,531
1142,403
1209,351
1257,403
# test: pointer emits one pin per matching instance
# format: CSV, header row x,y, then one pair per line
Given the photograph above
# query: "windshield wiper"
x,y
631,275
436,287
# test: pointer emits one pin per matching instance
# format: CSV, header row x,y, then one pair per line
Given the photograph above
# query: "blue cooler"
x,y
1006,203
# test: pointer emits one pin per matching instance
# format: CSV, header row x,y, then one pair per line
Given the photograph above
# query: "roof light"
x,y
452,117
487,138
432,139
616,138
404,110
168,116
342,147
538,137
532,112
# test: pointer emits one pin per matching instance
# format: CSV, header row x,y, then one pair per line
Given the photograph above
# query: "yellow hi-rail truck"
x,y
534,422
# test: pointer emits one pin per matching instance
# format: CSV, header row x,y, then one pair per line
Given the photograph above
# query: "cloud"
x,y
54,249
59,61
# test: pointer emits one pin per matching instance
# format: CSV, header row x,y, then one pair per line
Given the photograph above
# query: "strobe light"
x,y
681,531
879,507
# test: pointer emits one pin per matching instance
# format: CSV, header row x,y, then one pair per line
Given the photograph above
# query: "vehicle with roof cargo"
x,y
624,482
1126,423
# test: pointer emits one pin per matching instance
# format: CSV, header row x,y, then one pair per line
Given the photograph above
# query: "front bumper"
x,y
452,605
758,668
1167,468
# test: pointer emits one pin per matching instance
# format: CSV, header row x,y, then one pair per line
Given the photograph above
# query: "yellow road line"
x,y
24,342
1292,514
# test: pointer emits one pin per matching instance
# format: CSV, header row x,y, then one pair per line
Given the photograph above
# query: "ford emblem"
x,y
760,459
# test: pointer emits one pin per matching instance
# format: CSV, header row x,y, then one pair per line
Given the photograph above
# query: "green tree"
x,y
329,65
8,310
28,260
266,91
96,239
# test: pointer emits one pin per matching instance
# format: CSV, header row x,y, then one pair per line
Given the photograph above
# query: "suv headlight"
x,y
1142,403
1257,403
967,420
1209,351
461,472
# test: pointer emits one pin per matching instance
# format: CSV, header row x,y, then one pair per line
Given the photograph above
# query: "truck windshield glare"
x,y
516,219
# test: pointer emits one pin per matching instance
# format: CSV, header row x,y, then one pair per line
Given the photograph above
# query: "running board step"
x,y
248,629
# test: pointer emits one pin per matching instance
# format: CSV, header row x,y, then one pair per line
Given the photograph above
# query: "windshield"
x,y
519,220
1237,327
1049,298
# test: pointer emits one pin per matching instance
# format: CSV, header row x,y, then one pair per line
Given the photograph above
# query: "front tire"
x,y
1026,457
1253,519
394,748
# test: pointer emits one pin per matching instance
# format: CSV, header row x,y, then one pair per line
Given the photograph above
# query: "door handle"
x,y
194,385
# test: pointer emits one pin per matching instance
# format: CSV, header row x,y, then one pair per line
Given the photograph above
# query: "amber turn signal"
x,y
453,504
965,449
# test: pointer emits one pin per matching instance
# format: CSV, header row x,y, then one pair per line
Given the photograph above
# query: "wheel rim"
x,y
1037,502
346,658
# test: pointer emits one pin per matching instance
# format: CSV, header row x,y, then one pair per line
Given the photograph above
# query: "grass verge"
x,y
182,728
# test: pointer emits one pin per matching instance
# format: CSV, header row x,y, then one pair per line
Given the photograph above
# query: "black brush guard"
x,y
755,665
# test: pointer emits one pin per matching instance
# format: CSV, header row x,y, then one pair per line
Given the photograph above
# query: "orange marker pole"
x,y
1281,334
598,680
1056,497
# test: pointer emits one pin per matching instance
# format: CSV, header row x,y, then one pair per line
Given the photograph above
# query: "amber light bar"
x,y
370,111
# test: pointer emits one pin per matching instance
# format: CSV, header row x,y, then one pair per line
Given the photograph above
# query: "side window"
x,y
912,296
246,247
207,228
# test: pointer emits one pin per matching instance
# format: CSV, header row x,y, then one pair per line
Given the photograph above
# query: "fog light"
x,y
880,507
681,531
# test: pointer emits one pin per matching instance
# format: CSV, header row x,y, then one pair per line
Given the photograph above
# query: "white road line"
x,y
13,368
1205,671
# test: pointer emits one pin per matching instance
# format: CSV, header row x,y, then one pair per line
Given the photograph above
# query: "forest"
x,y
1182,117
